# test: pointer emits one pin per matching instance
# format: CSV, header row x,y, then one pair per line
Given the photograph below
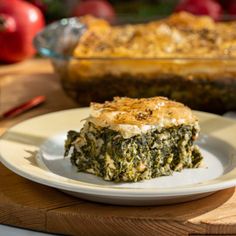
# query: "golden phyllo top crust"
x,y
182,35
131,116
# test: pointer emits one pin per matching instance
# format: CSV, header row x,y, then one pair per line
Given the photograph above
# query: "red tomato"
x,y
201,7
40,4
19,22
98,8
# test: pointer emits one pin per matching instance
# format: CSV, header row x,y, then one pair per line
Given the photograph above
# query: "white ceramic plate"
x,y
34,150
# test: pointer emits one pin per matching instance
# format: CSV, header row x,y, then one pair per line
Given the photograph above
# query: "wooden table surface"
x,y
30,205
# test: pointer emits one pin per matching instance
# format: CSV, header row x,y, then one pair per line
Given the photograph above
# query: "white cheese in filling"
x,y
127,130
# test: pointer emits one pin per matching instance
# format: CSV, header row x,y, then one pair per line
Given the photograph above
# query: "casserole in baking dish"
x,y
187,58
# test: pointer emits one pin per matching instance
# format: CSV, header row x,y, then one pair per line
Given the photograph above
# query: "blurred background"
x,y
22,20
134,9
18,24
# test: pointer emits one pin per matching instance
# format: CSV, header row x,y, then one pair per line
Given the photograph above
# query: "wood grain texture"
x,y
23,81
180,219
34,206
25,204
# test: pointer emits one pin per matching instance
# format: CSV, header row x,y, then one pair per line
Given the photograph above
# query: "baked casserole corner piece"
x,y
128,140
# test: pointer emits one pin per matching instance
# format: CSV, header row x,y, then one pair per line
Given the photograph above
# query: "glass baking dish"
x,y
207,84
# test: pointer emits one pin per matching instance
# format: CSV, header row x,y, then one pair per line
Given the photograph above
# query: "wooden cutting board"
x,y
30,205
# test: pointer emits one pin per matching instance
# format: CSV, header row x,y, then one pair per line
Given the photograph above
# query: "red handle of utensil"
x,y
24,107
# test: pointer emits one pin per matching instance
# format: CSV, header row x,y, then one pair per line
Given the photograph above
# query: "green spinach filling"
x,y
105,153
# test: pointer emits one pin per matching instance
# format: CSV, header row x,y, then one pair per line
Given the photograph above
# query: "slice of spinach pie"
x,y
135,139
